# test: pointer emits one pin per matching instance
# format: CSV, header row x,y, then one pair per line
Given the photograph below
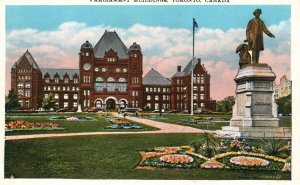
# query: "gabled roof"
x,y
31,60
155,78
189,67
60,72
110,40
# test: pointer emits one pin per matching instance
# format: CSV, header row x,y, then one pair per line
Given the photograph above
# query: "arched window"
x,y
99,79
20,85
56,96
75,96
99,85
122,80
110,79
27,85
156,97
110,85
148,97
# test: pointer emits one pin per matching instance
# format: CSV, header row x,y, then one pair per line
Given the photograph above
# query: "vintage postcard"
x,y
108,90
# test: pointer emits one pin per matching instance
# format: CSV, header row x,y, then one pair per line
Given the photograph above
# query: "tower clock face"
x,y
87,66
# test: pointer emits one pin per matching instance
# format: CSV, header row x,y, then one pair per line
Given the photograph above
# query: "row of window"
x,y
86,79
110,79
24,70
165,106
66,96
110,86
118,70
86,92
22,85
24,77
66,80
164,97
182,89
157,89
180,97
183,106
24,93
58,88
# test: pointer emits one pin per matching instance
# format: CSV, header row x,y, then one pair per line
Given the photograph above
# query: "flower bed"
x,y
23,125
124,126
249,161
72,118
176,159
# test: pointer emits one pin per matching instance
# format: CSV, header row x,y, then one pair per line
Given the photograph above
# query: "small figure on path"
x,y
254,33
125,114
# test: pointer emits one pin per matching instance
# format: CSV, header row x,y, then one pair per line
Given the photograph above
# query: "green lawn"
x,y
106,157
285,121
98,125
176,119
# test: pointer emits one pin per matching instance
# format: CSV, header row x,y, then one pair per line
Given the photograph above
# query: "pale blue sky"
x,y
50,17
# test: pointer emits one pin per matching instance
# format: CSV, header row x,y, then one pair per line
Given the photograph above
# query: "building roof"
x,y
155,78
188,69
60,72
110,40
29,57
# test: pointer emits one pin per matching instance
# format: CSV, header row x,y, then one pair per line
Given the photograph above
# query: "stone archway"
x,y
123,103
110,103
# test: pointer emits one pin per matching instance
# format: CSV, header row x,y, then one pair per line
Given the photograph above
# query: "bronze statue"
x,y
254,33
245,57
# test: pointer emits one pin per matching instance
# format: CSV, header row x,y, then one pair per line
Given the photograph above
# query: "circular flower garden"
x,y
225,156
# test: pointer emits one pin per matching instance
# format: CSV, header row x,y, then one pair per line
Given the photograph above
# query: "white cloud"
x,y
163,48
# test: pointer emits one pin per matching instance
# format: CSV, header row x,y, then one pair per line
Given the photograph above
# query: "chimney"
x,y
178,68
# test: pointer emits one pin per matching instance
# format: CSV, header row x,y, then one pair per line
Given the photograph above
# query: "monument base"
x,y
254,113
255,132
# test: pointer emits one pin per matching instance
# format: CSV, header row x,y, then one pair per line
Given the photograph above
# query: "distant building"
x,y
181,88
110,77
284,88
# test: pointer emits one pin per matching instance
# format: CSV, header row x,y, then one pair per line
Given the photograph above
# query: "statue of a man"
x,y
254,33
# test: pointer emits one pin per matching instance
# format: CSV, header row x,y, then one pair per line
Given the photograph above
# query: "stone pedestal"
x,y
255,111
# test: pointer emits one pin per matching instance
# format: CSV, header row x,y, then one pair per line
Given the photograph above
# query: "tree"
x,y
226,104
12,101
49,102
284,105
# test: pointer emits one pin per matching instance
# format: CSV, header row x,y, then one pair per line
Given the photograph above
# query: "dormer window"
x,y
47,80
66,80
75,80
56,80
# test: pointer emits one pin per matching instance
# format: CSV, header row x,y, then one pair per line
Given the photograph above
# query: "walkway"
x,y
165,128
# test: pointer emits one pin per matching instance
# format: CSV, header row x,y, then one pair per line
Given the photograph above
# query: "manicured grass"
x,y
285,121
98,125
106,157
176,119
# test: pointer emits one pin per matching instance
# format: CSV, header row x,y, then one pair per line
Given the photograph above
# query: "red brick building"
x,y
110,77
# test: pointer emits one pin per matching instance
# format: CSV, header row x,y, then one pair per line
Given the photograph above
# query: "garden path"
x,y
165,128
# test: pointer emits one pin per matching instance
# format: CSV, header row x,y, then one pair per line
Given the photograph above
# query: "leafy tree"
x,y
284,105
12,101
49,102
226,104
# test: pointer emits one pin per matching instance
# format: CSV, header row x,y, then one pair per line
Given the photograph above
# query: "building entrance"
x,y
110,104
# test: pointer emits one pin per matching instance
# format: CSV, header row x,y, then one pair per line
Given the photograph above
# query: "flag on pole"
x,y
195,24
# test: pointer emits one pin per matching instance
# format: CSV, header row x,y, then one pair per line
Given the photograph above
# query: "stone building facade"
x,y
110,77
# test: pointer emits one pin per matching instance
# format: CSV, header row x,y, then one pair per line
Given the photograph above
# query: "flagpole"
x,y
192,72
